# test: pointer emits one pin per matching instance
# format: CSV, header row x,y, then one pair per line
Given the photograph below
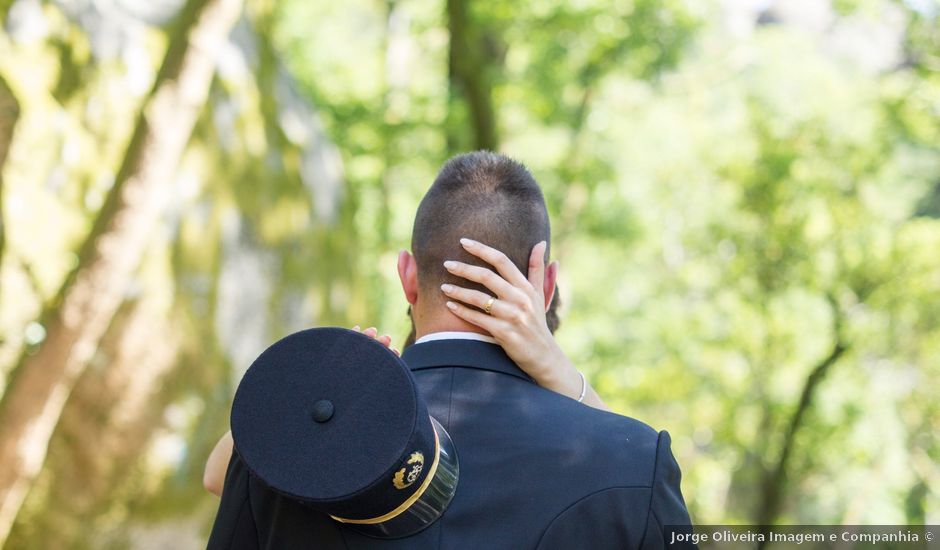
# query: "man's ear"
x,y
548,284
408,273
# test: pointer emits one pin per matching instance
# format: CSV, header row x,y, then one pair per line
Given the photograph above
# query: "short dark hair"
x,y
484,196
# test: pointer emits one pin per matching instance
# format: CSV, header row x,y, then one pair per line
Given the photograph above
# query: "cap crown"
x,y
331,417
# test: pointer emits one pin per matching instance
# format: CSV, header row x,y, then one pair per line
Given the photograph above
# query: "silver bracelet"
x,y
583,387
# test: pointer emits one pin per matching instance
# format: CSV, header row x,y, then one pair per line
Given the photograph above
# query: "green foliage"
x,y
734,209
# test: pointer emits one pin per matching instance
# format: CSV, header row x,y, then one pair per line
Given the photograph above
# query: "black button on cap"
x,y
322,410
376,414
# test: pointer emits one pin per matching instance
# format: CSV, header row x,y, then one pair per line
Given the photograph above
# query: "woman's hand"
x,y
516,317
385,339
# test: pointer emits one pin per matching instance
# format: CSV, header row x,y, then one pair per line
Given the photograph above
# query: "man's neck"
x,y
436,336
447,322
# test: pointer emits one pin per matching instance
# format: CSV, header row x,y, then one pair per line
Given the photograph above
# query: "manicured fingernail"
x,y
356,327
451,305
467,242
447,288
450,264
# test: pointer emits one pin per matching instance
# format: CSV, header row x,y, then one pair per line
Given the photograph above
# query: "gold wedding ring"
x,y
488,306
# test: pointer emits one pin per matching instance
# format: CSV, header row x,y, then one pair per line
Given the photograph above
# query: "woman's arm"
x,y
516,317
214,476
518,324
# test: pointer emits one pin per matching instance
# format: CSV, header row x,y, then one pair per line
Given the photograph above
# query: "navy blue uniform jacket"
x,y
537,470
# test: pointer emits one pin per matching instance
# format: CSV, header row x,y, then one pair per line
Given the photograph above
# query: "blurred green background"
x,y
744,193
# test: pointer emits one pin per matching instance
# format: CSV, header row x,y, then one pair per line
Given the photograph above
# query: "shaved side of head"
x,y
482,196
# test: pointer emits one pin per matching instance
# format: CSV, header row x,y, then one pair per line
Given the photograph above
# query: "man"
x,y
538,468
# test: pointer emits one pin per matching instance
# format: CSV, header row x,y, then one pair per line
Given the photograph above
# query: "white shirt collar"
x,y
455,335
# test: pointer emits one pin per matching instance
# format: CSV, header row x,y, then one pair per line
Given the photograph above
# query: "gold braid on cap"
x,y
411,500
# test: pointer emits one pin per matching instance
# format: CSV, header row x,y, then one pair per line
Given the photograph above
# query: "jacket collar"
x,y
461,353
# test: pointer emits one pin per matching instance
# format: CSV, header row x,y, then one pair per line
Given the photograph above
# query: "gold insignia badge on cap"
x,y
417,464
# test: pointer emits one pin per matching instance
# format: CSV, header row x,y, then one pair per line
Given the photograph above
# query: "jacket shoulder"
x,y
636,493
618,449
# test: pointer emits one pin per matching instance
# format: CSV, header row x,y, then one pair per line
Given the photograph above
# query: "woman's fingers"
x,y
485,277
486,322
469,296
385,339
497,259
500,308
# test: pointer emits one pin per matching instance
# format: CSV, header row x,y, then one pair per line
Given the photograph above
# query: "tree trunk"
x,y
776,479
9,112
88,300
108,420
5,6
470,78
775,482
930,203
